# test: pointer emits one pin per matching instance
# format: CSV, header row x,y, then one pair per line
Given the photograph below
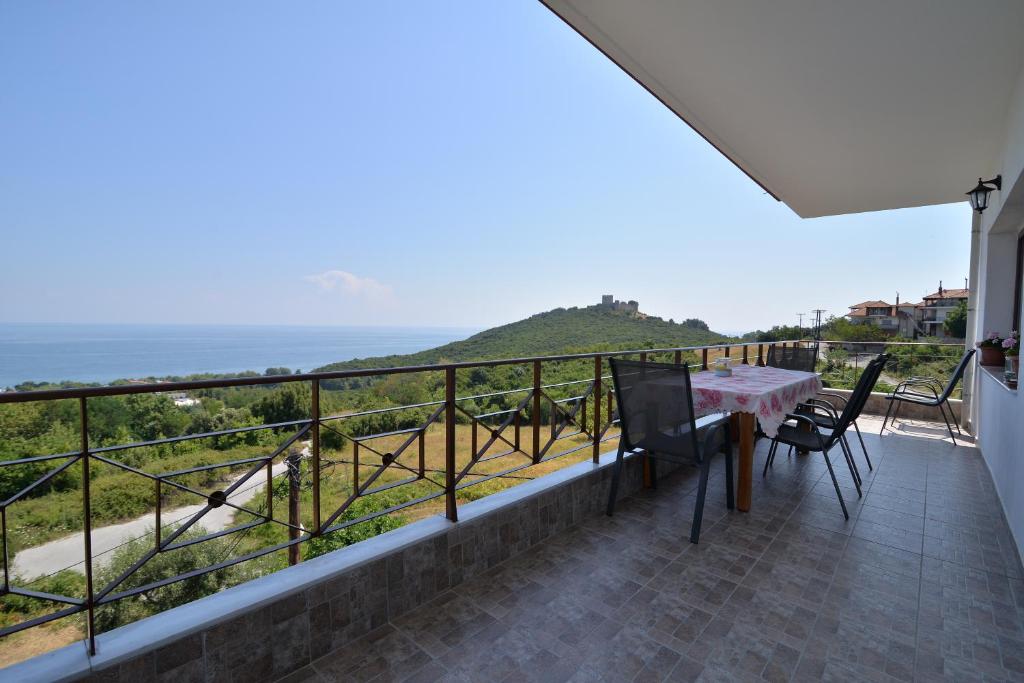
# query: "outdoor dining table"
x,y
754,394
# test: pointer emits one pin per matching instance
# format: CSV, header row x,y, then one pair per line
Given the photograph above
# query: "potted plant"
x,y
1011,349
991,348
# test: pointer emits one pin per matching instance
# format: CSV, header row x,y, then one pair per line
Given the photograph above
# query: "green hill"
x,y
562,330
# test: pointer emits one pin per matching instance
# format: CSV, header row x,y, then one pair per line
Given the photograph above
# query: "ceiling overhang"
x,y
832,107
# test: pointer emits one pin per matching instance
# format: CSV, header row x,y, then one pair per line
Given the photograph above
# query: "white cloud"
x,y
350,284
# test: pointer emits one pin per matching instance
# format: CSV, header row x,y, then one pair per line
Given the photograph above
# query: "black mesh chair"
x,y
792,357
823,420
912,391
806,435
656,415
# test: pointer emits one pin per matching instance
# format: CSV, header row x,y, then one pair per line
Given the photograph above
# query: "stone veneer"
x,y
266,628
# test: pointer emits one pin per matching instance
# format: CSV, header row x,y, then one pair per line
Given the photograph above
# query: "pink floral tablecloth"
x,y
768,393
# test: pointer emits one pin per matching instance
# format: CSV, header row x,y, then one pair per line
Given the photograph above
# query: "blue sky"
x,y
448,163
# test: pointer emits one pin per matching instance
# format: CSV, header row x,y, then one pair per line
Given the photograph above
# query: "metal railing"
x,y
580,417
841,362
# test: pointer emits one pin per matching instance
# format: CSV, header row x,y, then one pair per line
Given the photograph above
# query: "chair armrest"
x,y
929,381
801,419
904,386
832,394
812,407
822,404
709,437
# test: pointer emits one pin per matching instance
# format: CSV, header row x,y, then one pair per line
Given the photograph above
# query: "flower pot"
x,y
1012,371
991,355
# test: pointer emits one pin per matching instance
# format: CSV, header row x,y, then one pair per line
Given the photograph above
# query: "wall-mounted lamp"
x,y
979,195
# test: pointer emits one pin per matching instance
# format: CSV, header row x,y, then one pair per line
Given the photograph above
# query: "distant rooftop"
x,y
948,294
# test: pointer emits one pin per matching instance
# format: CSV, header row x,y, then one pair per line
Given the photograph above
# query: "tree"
x,y
956,321
154,416
291,401
164,565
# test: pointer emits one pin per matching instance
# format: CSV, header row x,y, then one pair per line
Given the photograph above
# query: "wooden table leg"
x,y
745,478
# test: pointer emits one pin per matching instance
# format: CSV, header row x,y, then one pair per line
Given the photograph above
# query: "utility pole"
x,y
817,323
800,324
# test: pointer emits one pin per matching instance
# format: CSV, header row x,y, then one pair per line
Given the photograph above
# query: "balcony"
x,y
922,582
532,579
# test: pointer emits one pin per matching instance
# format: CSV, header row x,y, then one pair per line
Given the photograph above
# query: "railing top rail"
x,y
187,385
885,342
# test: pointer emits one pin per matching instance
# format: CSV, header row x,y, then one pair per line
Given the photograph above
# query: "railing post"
x,y
727,350
315,448
745,360
760,355
553,419
157,523
449,444
83,417
472,444
535,417
679,357
704,358
423,453
516,420
294,466
598,366
355,467
3,540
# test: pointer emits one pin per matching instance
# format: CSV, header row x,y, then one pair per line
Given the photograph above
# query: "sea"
x,y
53,352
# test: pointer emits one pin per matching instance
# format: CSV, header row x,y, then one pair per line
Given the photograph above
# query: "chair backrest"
x,y
859,396
655,407
957,375
792,357
875,367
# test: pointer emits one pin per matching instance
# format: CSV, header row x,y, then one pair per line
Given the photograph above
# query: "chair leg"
x,y
948,428
863,447
702,490
771,456
854,472
888,411
730,495
614,489
952,418
895,414
835,482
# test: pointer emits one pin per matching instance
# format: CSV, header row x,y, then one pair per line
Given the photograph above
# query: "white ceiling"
x,y
833,106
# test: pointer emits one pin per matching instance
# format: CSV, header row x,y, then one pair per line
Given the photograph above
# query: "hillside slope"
x,y
562,330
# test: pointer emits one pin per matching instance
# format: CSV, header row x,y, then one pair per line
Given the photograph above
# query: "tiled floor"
x,y
922,583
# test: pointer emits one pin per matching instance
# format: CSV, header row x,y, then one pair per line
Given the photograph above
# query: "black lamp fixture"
x,y
979,195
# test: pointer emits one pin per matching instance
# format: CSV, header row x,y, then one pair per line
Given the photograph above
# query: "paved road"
x,y
67,552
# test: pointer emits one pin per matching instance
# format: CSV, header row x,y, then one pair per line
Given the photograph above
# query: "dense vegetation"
x,y
562,330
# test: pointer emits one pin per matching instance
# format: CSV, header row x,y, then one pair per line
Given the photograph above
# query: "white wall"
x,y
1000,429
998,411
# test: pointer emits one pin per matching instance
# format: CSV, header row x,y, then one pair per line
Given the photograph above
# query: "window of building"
x,y
1018,282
